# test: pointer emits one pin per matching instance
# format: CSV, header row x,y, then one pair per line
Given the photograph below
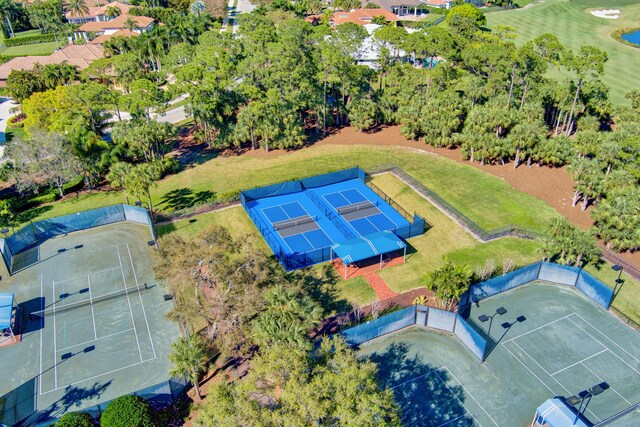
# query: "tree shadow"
x,y
183,198
422,391
323,289
31,214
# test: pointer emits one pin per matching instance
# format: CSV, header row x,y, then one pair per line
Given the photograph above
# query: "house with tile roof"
x,y
362,16
103,30
97,13
79,55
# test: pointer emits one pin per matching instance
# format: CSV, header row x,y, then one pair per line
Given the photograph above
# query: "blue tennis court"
x,y
361,213
299,230
302,220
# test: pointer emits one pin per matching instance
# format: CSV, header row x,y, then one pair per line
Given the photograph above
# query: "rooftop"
x,y
78,55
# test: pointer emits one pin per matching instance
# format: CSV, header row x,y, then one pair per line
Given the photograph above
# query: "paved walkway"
x,y
379,286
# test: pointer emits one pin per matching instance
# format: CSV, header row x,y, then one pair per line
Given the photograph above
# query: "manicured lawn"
x,y
38,49
484,198
572,23
444,239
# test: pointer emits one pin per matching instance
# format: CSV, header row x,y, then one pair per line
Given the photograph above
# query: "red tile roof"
x,y
78,55
362,16
117,24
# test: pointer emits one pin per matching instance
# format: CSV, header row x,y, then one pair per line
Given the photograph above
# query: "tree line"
x,y
280,80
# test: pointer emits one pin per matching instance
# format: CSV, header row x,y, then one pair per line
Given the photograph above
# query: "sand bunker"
x,y
607,13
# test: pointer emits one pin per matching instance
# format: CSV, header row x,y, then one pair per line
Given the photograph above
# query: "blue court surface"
x,y
302,220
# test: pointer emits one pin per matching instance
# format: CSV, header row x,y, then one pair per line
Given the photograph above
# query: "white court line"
x,y
580,361
604,335
41,333
89,274
580,327
538,328
60,350
55,345
456,397
471,395
96,376
129,302
527,368
455,419
548,374
144,313
93,314
600,379
414,379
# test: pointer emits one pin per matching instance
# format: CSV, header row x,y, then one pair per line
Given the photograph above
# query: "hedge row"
x,y
21,41
617,35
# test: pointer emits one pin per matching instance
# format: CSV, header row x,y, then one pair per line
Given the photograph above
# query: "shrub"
x,y
227,196
75,419
128,411
16,121
21,41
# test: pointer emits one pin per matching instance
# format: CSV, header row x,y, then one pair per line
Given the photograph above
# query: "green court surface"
x,y
93,323
552,341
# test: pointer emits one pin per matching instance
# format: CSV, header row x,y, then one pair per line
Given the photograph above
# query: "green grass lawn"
x,y
38,49
572,23
444,239
488,200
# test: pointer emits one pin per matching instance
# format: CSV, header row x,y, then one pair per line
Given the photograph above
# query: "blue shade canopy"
x,y
366,247
6,310
557,414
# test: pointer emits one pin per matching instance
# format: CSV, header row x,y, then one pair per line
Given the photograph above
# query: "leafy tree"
x,y
589,62
189,357
346,4
363,113
75,419
288,317
287,387
136,180
43,157
217,281
468,11
448,283
21,84
569,245
128,411
617,219
8,8
146,141
143,97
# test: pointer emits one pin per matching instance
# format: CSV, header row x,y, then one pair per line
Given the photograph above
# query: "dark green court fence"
x,y
36,233
458,323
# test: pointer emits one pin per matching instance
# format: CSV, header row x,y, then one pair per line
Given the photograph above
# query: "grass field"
x,y
444,239
572,23
38,49
471,191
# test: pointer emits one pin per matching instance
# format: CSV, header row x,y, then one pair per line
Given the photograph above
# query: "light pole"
x,y
584,397
619,269
483,317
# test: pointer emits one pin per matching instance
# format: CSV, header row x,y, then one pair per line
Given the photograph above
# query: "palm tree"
x,y
7,8
197,7
189,357
113,12
78,8
130,24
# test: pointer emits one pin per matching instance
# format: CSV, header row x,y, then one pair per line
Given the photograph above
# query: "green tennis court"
x,y
95,322
552,341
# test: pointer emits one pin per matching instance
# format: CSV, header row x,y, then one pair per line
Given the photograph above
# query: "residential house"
x,y
79,55
97,13
362,16
115,26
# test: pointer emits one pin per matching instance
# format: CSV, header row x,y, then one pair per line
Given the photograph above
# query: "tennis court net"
x,y
357,207
289,223
59,306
